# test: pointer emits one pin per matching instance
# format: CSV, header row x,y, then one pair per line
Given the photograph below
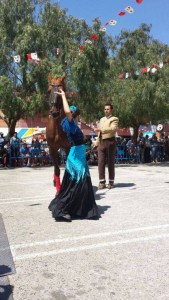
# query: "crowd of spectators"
x,y
146,150
16,152
19,153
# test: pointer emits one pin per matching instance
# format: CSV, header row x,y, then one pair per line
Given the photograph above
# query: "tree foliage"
x,y
28,27
143,98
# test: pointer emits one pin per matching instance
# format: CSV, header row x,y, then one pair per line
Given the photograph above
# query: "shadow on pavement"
x,y
5,270
6,292
5,288
102,208
121,185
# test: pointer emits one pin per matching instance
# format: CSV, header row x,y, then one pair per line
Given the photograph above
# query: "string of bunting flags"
x,y
129,9
93,37
32,56
153,69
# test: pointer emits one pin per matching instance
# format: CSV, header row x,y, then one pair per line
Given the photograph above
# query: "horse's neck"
x,y
62,114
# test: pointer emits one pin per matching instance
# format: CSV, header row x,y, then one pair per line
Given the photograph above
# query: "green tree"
x,y
89,70
18,32
26,27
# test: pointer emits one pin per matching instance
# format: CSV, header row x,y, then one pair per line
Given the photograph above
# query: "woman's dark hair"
x,y
76,113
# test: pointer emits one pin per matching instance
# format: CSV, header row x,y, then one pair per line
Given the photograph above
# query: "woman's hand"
x,y
60,92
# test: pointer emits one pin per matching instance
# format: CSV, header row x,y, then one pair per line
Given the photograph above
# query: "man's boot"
x,y
102,185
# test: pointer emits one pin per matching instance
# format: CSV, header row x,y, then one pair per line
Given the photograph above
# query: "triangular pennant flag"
x,y
81,48
88,41
129,9
160,64
137,73
94,37
153,70
112,22
155,66
122,13
144,70
32,56
121,76
17,58
103,29
29,57
58,51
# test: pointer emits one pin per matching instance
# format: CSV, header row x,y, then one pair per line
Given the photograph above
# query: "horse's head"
x,y
55,100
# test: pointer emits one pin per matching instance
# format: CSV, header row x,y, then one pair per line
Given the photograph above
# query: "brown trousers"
x,y
107,154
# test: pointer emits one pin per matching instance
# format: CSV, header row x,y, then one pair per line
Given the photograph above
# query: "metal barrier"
x,y
28,156
32,156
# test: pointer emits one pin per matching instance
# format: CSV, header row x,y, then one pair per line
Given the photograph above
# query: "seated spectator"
x,y
24,152
35,152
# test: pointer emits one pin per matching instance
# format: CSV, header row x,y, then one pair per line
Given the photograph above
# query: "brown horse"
x,y
55,136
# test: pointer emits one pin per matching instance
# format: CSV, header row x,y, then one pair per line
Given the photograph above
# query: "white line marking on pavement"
x,y
24,199
19,198
126,191
90,236
31,200
32,182
90,247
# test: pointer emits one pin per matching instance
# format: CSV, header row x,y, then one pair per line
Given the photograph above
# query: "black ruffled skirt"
x,y
75,198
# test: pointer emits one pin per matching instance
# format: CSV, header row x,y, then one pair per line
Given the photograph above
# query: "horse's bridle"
x,y
53,100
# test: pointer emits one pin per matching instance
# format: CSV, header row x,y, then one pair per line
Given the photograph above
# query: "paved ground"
x,y
122,256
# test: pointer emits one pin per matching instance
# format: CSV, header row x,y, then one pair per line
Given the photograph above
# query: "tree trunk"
x,y
11,127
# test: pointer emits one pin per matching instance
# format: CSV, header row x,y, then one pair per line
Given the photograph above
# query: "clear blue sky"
x,y
154,12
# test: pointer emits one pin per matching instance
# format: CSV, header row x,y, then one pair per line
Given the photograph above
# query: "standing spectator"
x,y
140,148
162,147
106,143
2,140
147,157
14,147
123,144
154,148
166,148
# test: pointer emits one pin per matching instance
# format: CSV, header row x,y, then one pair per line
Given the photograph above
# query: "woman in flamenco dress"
x,y
76,197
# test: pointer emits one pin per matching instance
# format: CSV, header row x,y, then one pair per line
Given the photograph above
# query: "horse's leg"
x,y
55,157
